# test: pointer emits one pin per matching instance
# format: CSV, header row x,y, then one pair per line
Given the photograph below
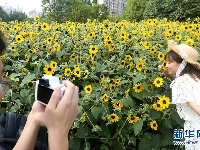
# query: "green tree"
x,y
3,15
173,10
56,10
80,11
17,15
99,12
134,10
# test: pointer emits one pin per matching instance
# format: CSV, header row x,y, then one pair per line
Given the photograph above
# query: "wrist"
x,y
31,120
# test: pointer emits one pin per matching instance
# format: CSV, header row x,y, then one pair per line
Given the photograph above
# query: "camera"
x,y
45,86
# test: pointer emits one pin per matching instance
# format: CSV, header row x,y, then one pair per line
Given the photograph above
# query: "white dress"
x,y
186,89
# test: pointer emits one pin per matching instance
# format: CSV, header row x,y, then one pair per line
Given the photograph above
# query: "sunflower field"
x,y
124,98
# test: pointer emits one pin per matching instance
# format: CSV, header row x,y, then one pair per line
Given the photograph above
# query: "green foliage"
x,y
173,10
134,10
73,10
118,61
17,15
3,15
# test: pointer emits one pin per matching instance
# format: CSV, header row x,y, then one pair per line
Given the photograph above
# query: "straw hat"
x,y
187,53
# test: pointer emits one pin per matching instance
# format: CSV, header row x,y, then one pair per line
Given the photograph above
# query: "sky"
x,y
27,5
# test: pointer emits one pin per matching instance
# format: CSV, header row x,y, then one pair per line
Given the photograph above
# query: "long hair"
x,y
189,69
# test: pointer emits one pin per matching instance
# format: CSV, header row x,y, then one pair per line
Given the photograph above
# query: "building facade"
x,y
115,6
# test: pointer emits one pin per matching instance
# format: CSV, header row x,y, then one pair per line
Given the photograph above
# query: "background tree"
x,y
80,11
3,15
134,10
17,15
173,10
56,10
99,12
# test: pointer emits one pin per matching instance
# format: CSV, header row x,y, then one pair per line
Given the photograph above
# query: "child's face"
x,y
172,66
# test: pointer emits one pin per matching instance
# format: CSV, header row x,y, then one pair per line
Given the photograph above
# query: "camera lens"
x,y
44,82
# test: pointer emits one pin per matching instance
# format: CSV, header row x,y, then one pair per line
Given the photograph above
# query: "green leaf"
x,y
13,75
34,57
123,81
155,114
28,78
24,92
116,145
74,144
95,111
168,123
127,102
138,127
177,118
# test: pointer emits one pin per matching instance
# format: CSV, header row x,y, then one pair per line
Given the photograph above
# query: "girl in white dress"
x,y
181,62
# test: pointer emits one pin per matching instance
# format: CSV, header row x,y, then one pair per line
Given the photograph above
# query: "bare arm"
x,y
195,107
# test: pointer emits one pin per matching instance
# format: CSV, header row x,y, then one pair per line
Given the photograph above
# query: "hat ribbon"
x,y
180,68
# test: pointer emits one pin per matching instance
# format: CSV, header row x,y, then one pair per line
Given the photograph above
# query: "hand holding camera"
x,y
45,87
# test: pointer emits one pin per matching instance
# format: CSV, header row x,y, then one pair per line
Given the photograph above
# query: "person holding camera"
x,y
57,116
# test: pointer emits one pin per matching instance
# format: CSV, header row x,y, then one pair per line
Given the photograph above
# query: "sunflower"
x,y
49,40
67,72
128,57
117,81
73,57
77,72
161,56
111,47
164,101
113,117
85,74
93,49
153,50
132,119
154,125
27,57
112,87
19,38
118,105
53,64
178,37
164,66
122,40
36,18
157,106
56,47
24,71
107,42
105,98
122,64
123,34
13,47
91,35
158,82
88,89
139,66
138,88
45,26
48,70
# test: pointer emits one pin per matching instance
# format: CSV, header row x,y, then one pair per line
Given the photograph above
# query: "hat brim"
x,y
174,47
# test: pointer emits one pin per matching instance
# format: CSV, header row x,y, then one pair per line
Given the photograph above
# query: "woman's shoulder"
x,y
184,80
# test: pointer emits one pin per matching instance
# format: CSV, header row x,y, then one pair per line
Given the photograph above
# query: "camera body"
x,y
45,86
